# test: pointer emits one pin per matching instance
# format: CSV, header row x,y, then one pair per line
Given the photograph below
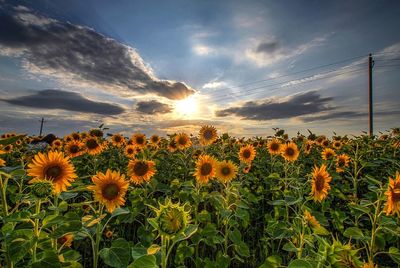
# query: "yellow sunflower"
x,y
342,161
130,151
155,140
369,265
274,146
75,136
18,142
54,167
109,189
320,183
247,153
118,140
311,219
393,196
74,148
290,152
325,143
83,135
226,171
337,145
207,135
172,146
56,144
320,139
247,169
182,141
141,171
68,138
96,133
93,146
139,140
206,167
8,148
328,154
108,233
308,147
66,240
1,149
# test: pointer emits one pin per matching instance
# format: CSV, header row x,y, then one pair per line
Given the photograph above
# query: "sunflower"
x,y
247,153
75,136
68,138
8,148
56,144
247,169
205,168
52,166
320,183
74,148
393,196
139,140
290,151
311,219
328,153
130,151
96,133
83,135
337,145
182,141
141,170
109,189
155,140
320,139
308,147
342,161
66,240
117,140
2,163
18,142
325,143
396,144
172,146
108,233
369,265
274,146
207,135
226,171
93,146
1,149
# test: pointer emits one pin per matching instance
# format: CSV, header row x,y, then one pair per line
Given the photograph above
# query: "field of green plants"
x,y
94,199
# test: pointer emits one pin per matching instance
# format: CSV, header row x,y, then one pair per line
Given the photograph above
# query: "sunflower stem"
x,y
36,229
3,187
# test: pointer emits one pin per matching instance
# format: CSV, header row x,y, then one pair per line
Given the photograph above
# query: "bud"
x,y
42,189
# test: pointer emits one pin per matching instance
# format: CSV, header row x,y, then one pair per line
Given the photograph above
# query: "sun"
x,y
186,107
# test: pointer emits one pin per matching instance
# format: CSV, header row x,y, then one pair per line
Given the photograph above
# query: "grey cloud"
x,y
268,47
346,115
71,101
72,50
297,105
153,107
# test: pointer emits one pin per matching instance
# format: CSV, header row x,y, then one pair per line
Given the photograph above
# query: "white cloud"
x,y
215,85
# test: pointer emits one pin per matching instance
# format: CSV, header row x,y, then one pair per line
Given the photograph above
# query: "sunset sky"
x,y
167,66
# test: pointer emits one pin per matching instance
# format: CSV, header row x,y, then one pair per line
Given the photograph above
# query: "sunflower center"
x,y
328,155
325,143
319,183
53,172
289,151
74,149
130,151
341,162
154,139
274,146
140,168
206,169
226,171
110,191
139,140
117,139
92,144
182,140
208,134
76,136
246,153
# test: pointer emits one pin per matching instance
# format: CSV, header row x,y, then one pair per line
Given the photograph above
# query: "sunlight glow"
x,y
186,107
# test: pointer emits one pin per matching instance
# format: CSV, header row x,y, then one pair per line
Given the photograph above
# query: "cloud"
x,y
70,101
215,84
153,107
72,52
296,105
346,115
268,47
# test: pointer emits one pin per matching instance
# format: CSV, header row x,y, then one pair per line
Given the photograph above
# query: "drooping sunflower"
x,y
53,166
118,140
141,171
182,141
311,219
207,135
155,140
320,183
342,161
226,171
337,145
66,240
393,196
328,154
74,148
130,151
308,147
109,189
93,146
247,153
274,146
290,151
139,140
206,167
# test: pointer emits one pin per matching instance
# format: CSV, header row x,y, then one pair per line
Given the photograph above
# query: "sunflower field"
x,y
94,199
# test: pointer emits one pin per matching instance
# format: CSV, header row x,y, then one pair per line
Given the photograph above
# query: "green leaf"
x,y
289,246
118,255
188,232
18,248
271,262
354,233
300,264
138,252
147,261
119,211
48,259
395,254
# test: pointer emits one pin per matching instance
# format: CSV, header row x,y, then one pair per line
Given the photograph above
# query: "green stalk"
x,y
3,187
96,246
164,255
36,229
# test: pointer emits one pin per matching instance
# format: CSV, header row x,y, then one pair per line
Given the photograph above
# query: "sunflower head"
x,y
155,140
247,169
118,140
172,146
207,135
74,148
328,154
325,143
320,183
171,219
393,196
308,147
66,240
320,139
108,233
342,161
274,146
130,151
205,168
93,146
2,163
109,189
311,220
54,167
337,145
290,151
96,132
182,141
42,189
247,153
226,171
139,140
8,148
141,171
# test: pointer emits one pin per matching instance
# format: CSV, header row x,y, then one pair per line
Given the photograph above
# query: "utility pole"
x,y
371,113
41,126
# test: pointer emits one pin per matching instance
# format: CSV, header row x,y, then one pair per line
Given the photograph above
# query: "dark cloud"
x,y
268,47
71,101
301,104
346,115
65,49
153,107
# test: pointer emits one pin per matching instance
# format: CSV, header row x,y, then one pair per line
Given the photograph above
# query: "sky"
x,y
160,67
